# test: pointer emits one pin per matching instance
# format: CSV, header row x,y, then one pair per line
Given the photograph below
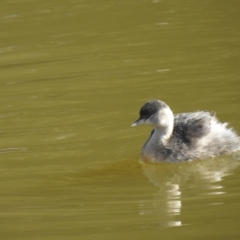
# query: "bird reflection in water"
x,y
182,181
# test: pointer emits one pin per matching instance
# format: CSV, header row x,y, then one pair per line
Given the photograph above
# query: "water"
x,y
73,77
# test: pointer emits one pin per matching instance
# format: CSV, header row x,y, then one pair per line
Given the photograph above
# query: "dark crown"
x,y
151,107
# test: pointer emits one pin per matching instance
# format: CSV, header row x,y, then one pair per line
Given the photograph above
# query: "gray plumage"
x,y
184,136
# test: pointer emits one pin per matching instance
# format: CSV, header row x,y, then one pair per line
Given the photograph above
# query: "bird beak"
x,y
139,121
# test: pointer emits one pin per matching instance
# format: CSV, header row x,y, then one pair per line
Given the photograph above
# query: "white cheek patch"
x,y
149,121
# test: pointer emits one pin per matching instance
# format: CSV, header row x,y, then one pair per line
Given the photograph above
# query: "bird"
x,y
184,136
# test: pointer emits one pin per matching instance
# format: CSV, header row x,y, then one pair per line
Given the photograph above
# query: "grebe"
x,y
184,136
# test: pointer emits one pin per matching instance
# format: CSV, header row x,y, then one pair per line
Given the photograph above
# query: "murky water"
x,y
73,76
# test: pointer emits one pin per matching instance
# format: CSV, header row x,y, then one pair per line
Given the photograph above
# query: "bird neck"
x,y
165,127
164,133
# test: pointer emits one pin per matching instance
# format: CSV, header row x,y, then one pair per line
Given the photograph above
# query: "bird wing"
x,y
190,127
